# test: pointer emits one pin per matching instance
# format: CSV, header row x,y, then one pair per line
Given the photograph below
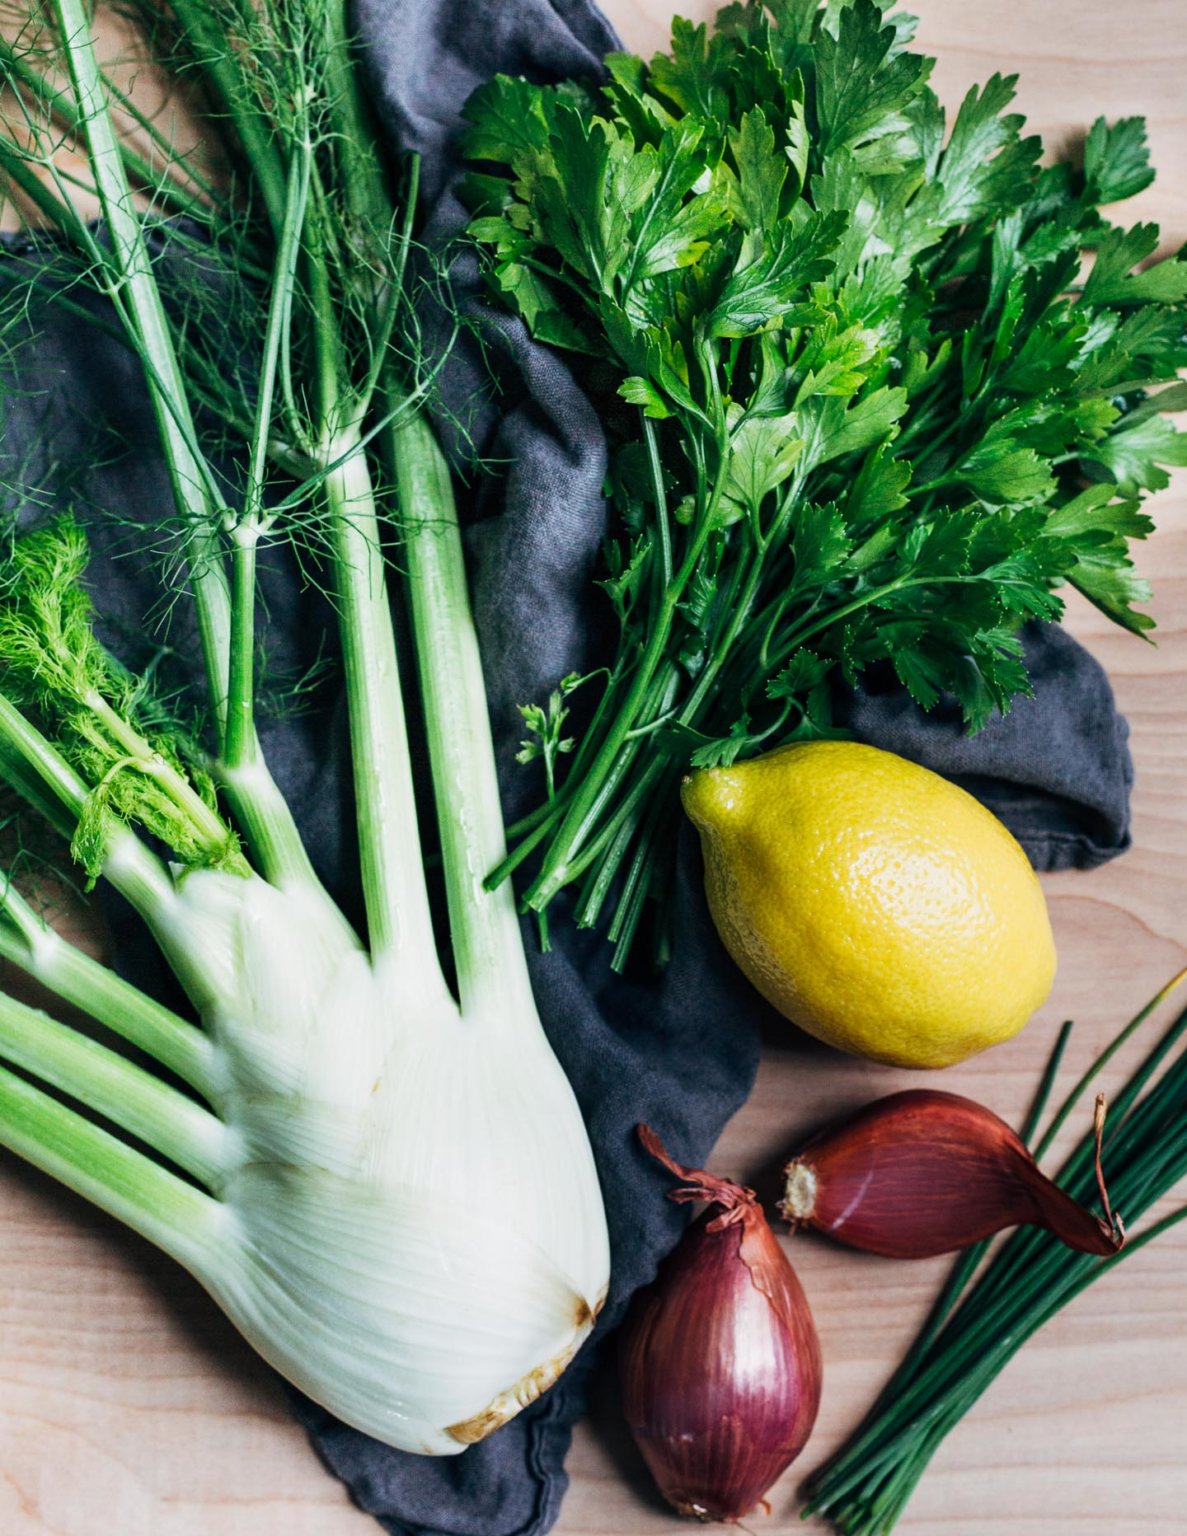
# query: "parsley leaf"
x,y
1116,160
1111,281
862,86
771,285
863,410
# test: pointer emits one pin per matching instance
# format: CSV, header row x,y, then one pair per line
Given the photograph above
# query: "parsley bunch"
x,y
863,407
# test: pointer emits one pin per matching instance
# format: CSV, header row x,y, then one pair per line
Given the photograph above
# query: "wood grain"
x,y
128,1406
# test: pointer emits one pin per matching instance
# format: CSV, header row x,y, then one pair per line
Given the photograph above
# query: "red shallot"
x,y
924,1172
720,1357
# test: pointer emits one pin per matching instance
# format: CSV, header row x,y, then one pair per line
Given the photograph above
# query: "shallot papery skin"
x,y
720,1358
922,1173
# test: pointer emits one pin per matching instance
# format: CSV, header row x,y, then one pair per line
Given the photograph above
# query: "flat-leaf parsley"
x,y
879,414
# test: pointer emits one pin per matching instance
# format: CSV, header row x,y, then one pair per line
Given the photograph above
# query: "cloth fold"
x,y
680,1050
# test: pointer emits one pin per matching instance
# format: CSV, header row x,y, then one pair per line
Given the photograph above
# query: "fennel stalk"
x,y
389,1191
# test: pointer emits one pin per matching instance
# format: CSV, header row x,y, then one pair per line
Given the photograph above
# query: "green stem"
x,y
133,870
49,204
127,274
206,823
1103,1060
623,824
919,1438
591,794
655,707
136,285
84,983
484,928
235,92
165,188
206,383
53,772
660,495
637,885
394,891
361,175
160,1206
284,277
266,821
142,170
613,840
174,1125
530,830
395,896
1078,1171
16,773
389,839
721,651
935,441
265,818
801,634
240,746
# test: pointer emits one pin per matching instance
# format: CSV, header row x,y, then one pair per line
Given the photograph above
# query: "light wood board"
x,y
128,1407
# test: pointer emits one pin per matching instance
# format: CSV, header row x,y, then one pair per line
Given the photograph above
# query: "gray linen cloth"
x,y
678,1051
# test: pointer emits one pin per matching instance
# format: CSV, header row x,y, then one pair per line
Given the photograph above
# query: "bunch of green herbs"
x,y
865,409
978,1325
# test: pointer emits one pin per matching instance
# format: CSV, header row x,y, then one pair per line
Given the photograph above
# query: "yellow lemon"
x,y
878,906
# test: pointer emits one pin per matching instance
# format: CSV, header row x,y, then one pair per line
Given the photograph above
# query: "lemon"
x,y
877,905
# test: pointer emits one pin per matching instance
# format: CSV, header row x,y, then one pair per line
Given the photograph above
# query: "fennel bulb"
x,y
388,1188
404,1229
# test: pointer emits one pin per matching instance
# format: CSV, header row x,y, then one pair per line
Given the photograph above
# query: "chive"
x,y
976,1327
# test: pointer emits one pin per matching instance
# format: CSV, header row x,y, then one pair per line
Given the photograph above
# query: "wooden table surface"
x,y
129,1407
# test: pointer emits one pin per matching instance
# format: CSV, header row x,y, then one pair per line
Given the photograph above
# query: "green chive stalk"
x,y
387,1188
978,1325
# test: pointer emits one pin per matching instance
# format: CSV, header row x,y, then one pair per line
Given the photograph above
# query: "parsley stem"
x,y
636,887
621,827
591,796
628,802
661,500
617,834
539,827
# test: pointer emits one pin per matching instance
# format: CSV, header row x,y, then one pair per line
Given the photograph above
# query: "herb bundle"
x,y
879,415
976,1328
